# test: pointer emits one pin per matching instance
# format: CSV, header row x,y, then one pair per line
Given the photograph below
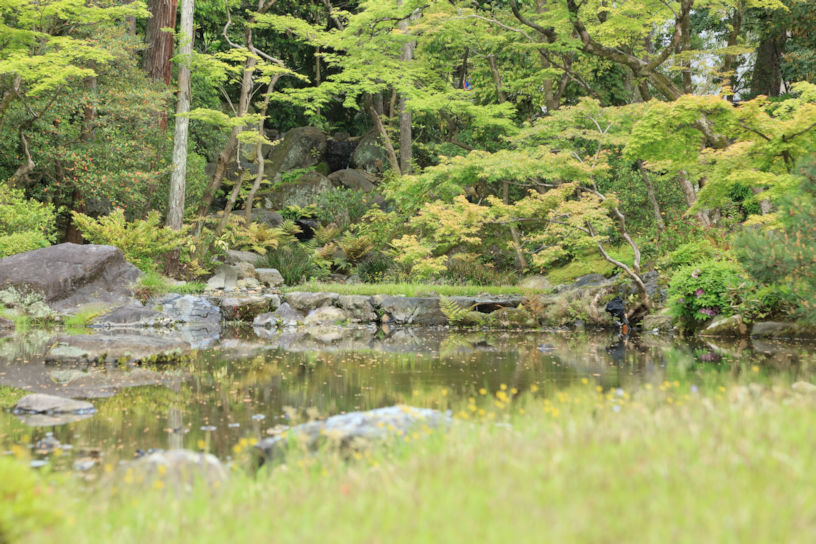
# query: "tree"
x,y
175,211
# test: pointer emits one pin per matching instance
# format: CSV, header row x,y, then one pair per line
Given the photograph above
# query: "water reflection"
x,y
248,385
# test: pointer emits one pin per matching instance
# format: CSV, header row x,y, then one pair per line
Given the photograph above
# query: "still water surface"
x,y
247,385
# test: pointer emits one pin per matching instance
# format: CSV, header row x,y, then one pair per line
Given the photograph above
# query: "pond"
x,y
246,386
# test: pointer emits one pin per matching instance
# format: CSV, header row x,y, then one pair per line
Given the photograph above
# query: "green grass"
x,y
153,284
9,396
409,289
591,262
668,465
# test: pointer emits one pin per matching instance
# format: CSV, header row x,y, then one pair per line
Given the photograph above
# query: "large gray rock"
x,y
326,315
780,329
302,192
188,309
129,316
306,302
411,310
270,276
658,323
370,155
38,403
350,178
116,347
358,308
300,147
71,275
269,218
225,277
355,430
235,257
180,470
283,316
246,308
726,326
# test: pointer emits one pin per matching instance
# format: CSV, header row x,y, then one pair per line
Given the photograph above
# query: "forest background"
x,y
504,138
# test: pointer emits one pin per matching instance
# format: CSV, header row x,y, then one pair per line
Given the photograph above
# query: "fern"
x,y
457,315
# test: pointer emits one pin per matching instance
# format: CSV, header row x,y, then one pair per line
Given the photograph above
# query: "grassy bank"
x,y
409,289
668,464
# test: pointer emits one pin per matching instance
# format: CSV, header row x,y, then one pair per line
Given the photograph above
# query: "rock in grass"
x,y
6,324
355,430
806,388
269,276
38,403
178,470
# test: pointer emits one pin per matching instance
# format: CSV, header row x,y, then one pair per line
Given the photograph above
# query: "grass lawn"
x,y
409,289
666,465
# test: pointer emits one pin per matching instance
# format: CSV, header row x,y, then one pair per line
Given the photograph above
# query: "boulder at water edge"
x,y
71,275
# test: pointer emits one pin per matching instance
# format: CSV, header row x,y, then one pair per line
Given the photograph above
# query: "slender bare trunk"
x,y
661,225
225,156
175,212
497,79
521,261
406,136
386,141
259,152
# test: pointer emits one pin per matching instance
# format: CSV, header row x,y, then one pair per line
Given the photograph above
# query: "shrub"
x,y
689,253
786,251
20,242
143,241
374,267
295,263
468,268
768,302
705,289
24,224
343,206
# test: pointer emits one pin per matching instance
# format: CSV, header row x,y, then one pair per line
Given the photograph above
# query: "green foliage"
x,y
296,263
469,268
457,315
24,224
374,268
689,253
343,207
29,501
152,285
145,242
706,289
784,253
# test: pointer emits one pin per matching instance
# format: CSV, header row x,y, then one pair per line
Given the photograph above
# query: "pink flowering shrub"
x,y
703,290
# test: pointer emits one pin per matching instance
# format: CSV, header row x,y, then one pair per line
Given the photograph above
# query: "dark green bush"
x,y
375,267
704,290
785,253
296,263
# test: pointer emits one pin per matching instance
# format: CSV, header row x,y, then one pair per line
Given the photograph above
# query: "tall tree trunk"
x,y
767,76
159,50
406,137
729,67
175,212
690,193
497,79
661,225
